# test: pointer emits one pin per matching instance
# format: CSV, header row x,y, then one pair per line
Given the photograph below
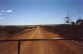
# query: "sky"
x,y
32,12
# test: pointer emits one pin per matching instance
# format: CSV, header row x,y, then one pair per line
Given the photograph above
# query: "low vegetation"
x,y
12,29
72,30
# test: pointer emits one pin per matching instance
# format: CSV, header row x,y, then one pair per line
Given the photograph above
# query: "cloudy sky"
x,y
29,12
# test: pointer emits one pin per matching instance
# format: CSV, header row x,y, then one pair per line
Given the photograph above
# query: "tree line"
x,y
77,22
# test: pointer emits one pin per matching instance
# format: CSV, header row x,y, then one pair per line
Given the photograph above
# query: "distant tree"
x,y
67,19
73,23
79,21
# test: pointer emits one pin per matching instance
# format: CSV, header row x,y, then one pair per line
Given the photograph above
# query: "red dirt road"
x,y
36,33
50,47
40,46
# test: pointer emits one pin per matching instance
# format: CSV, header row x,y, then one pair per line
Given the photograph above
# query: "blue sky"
x,y
31,12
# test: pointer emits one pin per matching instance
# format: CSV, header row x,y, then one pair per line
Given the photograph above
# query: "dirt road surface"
x,y
39,46
36,33
50,47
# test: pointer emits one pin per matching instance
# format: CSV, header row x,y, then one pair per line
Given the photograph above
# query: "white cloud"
x,y
9,11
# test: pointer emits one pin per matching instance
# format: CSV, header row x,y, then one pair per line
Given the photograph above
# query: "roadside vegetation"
x,y
11,30
69,30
